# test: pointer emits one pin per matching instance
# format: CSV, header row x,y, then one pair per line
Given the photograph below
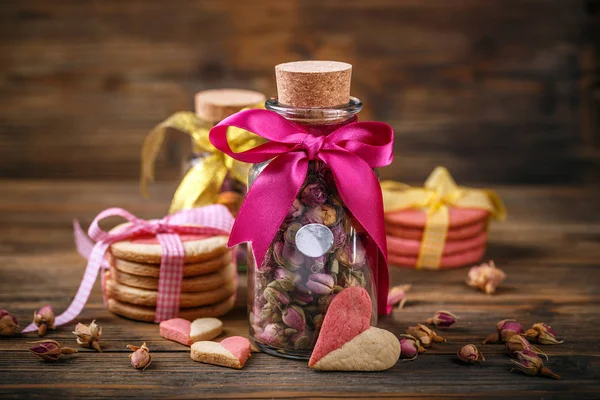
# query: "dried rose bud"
x,y
529,363
339,236
276,297
290,257
518,343
485,277
272,335
317,264
44,319
8,324
140,358
351,254
295,211
313,194
300,340
542,334
505,329
323,214
302,298
397,296
88,336
442,319
50,350
289,235
425,335
293,316
470,354
320,284
410,347
287,279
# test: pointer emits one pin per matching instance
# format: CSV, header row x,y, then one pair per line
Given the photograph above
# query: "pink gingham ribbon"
x,y
210,220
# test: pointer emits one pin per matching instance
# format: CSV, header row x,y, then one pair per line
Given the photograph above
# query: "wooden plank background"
x,y
501,91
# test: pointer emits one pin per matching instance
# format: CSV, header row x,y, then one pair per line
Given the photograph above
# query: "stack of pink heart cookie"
x,y
465,242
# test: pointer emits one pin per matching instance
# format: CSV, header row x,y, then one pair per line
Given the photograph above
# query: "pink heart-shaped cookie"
x,y
348,315
176,329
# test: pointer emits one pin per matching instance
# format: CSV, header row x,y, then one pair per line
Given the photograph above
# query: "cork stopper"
x,y
215,105
313,83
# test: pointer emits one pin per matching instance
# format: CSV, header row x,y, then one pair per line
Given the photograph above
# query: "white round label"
x,y
314,240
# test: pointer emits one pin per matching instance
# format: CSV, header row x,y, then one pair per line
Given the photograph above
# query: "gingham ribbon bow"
x,y
210,220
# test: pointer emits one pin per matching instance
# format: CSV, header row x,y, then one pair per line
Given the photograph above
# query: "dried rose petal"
x,y
485,277
470,354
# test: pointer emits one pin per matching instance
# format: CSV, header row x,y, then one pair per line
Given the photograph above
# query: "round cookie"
x,y
455,260
459,233
147,249
416,218
409,247
153,270
148,298
200,283
147,314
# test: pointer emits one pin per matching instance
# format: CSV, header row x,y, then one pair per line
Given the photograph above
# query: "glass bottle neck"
x,y
318,121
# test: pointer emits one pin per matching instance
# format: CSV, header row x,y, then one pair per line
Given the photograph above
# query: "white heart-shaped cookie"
x,y
372,350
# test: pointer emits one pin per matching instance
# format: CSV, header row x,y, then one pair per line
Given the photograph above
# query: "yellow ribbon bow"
x,y
439,193
202,183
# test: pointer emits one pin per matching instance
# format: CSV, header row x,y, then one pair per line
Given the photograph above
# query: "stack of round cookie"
x,y
209,277
465,242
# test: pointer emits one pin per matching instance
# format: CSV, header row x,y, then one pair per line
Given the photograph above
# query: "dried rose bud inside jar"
x,y
319,249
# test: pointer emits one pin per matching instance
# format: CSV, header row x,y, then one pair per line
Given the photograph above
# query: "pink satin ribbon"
x,y
351,152
210,220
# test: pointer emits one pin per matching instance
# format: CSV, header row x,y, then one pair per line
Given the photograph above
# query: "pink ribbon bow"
x,y
351,152
210,220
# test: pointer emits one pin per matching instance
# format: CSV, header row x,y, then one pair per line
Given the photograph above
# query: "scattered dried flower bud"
x,y
542,334
8,324
294,317
425,335
44,319
410,347
529,363
88,336
397,296
50,350
505,329
140,358
518,343
320,284
443,319
470,354
485,277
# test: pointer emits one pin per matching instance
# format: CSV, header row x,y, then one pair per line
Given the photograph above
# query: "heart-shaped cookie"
x,y
348,315
347,342
232,352
186,332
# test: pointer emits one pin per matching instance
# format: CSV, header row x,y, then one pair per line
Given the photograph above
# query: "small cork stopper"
x,y
215,105
313,83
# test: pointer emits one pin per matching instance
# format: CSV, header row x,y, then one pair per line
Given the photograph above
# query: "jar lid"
x,y
215,105
313,83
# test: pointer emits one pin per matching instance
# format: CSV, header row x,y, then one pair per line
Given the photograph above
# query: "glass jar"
x,y
318,250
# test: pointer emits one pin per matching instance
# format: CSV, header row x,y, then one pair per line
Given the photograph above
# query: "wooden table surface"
x,y
549,247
